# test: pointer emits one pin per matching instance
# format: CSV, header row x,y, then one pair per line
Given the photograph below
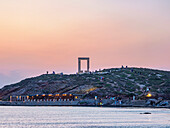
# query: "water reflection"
x,y
81,117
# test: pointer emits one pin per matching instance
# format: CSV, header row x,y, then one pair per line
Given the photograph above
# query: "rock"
x,y
146,113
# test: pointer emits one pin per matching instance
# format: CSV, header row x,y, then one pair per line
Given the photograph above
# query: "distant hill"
x,y
124,82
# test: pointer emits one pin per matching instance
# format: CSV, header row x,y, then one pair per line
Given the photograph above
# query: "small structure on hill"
x,y
79,64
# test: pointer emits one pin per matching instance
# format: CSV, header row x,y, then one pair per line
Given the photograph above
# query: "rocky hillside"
x,y
124,82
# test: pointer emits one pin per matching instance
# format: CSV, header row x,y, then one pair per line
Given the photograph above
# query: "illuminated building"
x,y
46,97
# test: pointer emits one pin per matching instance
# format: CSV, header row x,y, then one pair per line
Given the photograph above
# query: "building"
x,y
46,97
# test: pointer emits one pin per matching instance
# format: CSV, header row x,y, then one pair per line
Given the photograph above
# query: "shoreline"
x,y
78,103
111,106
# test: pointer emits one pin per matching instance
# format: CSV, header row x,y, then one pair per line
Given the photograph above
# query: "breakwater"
x,y
90,102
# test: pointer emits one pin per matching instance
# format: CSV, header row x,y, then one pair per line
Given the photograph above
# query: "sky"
x,y
49,35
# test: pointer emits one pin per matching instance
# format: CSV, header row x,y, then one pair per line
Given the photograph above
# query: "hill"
x,y
125,82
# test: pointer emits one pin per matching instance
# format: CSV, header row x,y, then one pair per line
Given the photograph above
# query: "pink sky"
x,y
41,35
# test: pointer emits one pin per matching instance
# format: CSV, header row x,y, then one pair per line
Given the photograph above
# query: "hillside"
x,y
124,82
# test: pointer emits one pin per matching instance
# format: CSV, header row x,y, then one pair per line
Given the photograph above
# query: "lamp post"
x,y
96,100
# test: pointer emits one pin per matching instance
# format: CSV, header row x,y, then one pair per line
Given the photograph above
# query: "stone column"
x,y
88,65
79,65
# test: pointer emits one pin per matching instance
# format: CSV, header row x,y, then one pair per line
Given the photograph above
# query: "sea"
x,y
82,117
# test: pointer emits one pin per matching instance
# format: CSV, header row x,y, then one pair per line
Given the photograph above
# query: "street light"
x,y
149,95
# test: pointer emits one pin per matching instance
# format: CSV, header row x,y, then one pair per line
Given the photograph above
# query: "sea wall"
x,y
41,103
85,102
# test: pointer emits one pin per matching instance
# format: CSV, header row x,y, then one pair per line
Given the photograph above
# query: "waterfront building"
x,y
46,97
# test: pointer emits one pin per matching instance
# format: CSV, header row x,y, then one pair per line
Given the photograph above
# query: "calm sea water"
x,y
81,117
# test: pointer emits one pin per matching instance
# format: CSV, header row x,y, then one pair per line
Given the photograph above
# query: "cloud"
x,y
14,76
11,77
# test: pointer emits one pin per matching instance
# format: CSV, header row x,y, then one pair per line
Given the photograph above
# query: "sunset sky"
x,y
49,35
